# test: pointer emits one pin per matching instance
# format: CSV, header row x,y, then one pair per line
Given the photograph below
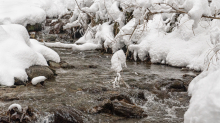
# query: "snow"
x,y
83,47
38,79
18,53
32,11
20,12
86,46
179,48
196,8
118,61
105,34
48,53
204,89
15,106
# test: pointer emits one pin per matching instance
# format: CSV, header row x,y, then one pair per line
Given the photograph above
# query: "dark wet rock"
x,y
92,66
187,79
19,82
171,85
104,107
119,108
53,64
161,94
35,71
127,110
92,89
143,86
141,95
69,115
35,27
121,98
177,86
104,89
87,66
64,64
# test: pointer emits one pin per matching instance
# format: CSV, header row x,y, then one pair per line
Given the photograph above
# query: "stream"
x,y
160,90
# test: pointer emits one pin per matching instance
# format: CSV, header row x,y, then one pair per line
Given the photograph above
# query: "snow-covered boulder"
x,y
17,53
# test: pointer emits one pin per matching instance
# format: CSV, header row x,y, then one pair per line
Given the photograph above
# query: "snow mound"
x,y
20,12
18,53
33,11
38,79
205,88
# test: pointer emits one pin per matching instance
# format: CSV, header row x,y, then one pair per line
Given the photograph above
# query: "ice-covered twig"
x,y
118,61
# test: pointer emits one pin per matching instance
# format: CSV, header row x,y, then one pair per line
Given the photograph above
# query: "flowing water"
x,y
84,86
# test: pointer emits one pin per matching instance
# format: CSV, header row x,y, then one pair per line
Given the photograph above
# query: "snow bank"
x,y
32,11
18,53
205,89
20,12
179,48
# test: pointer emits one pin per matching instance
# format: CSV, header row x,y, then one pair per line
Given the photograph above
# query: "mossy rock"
x,y
36,27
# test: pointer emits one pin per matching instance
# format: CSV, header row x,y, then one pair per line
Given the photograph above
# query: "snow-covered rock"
x,y
17,53
15,106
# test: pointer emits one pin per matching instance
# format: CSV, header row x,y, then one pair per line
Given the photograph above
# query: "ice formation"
x,y
118,61
38,79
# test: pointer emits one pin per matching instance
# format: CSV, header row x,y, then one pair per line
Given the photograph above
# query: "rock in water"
x,y
53,64
35,71
69,115
127,110
19,82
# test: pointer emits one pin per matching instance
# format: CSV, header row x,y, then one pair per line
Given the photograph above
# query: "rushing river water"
x,y
83,87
